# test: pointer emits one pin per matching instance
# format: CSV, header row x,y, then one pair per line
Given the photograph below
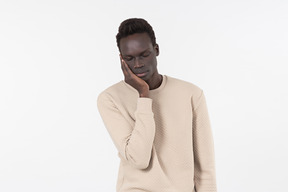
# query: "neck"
x,y
155,81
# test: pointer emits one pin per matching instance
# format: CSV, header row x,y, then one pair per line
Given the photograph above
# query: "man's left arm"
x,y
203,148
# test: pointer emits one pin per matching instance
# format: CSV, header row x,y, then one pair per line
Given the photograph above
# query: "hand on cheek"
x,y
139,84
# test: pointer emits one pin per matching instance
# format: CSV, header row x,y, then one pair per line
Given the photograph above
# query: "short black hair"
x,y
135,25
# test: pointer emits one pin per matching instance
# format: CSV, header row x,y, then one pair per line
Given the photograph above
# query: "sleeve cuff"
x,y
144,104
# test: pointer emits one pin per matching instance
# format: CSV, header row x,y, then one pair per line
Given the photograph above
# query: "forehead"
x,y
135,43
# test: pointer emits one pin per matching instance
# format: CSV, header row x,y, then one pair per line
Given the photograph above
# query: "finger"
x,y
122,63
124,69
127,68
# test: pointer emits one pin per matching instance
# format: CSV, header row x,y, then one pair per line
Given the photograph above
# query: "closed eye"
x,y
146,54
128,58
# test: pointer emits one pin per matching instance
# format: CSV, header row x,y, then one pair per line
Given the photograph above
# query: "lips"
x,y
141,74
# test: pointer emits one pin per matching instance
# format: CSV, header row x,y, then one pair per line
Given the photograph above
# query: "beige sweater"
x,y
165,142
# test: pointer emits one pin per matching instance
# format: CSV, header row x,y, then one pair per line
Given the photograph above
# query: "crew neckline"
x,y
163,83
153,91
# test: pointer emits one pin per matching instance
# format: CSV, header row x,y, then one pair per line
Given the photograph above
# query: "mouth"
x,y
141,74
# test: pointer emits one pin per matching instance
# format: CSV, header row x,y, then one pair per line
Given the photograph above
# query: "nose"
x,y
137,63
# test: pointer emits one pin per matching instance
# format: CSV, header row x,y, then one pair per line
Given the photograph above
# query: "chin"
x,y
146,78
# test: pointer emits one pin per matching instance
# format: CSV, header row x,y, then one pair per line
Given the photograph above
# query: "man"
x,y
159,124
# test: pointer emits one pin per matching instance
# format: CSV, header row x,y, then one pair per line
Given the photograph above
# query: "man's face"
x,y
140,55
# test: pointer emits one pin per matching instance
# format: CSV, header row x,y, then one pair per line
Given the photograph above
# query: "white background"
x,y
57,56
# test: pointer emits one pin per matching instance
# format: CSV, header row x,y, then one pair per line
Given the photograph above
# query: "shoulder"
x,y
193,91
183,86
110,90
117,92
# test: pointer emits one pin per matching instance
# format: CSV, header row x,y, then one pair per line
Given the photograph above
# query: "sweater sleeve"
x,y
203,147
133,141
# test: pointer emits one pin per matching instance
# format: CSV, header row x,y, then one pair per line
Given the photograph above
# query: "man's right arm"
x,y
133,141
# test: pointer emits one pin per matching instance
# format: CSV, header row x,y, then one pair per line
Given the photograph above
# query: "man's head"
x,y
137,45
132,26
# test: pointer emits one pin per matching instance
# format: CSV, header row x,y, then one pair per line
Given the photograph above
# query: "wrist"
x,y
145,94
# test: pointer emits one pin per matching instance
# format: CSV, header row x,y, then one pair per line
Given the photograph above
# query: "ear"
x,y
156,47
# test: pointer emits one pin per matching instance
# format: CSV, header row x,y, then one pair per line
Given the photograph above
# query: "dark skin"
x,y
139,63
